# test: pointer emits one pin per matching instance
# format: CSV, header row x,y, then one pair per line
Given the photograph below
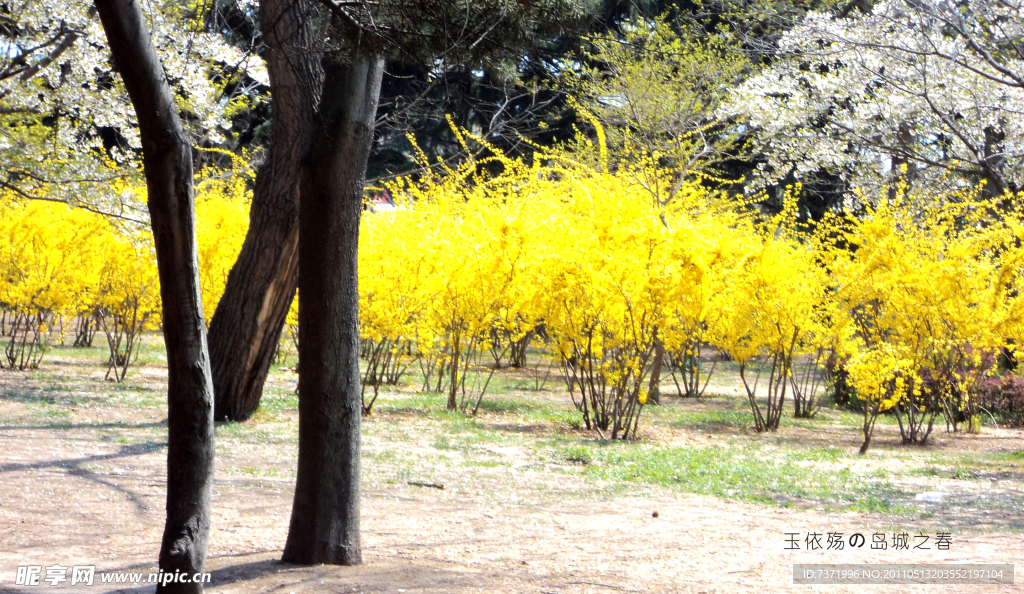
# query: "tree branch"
x,y
84,207
69,40
338,9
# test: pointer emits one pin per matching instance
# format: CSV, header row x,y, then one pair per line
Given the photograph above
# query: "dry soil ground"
x,y
82,482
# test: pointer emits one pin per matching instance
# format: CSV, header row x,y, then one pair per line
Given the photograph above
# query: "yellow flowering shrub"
x,y
61,263
936,280
50,258
128,296
602,265
605,286
490,252
223,196
882,376
446,271
776,313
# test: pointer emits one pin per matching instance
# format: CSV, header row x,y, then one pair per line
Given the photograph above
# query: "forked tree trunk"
x,y
247,325
325,515
167,158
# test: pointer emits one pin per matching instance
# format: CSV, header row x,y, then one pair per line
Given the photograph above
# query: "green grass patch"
x,y
577,454
445,442
52,417
750,475
711,420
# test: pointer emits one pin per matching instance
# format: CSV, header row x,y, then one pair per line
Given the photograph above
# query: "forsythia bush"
x,y
612,271
127,297
933,286
446,272
606,271
58,264
222,220
777,311
604,268
51,258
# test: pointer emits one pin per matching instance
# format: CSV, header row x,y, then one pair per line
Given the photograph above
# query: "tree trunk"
x,y
167,159
654,385
993,163
906,140
325,515
247,325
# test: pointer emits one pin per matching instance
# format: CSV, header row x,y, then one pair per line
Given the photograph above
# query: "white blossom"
x,y
904,83
62,105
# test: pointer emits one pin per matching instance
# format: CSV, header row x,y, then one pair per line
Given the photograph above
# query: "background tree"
x,y
656,88
68,126
324,526
246,327
504,104
167,162
907,89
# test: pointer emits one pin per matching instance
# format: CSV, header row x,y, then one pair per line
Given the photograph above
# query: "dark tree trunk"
x,y
247,325
167,158
654,385
325,515
907,139
993,163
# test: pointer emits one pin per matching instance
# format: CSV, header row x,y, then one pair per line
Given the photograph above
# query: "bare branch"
x,y
80,205
69,40
338,9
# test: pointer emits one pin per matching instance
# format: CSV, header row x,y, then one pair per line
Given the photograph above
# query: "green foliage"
x,y
576,455
656,88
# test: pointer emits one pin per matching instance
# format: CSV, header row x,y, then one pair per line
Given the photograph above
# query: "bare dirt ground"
x,y
87,487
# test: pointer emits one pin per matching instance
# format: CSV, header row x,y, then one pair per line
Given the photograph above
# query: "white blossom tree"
x,y
931,91
66,124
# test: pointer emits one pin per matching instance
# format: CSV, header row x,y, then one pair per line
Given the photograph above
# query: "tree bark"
x,y
654,385
247,325
993,162
325,516
167,159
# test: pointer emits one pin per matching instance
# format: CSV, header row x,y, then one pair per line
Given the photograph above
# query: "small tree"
x,y
129,299
775,314
656,88
885,380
